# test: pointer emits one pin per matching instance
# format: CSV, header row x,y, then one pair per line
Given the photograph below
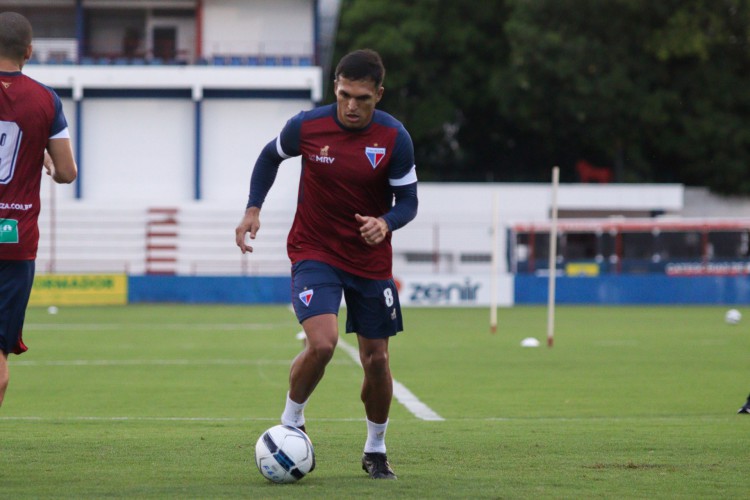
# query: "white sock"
x,y
375,437
294,413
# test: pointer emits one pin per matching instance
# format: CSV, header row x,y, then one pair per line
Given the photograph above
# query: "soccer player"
x,y
31,121
358,185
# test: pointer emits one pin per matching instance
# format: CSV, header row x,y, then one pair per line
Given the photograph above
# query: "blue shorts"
x,y
16,278
372,306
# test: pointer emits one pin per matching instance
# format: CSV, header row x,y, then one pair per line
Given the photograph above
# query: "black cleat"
x,y
302,428
746,407
377,466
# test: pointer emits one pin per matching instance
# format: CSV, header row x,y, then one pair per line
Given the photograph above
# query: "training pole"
x,y
552,260
494,261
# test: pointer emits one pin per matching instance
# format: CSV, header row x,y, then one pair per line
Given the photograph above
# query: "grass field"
x,y
167,402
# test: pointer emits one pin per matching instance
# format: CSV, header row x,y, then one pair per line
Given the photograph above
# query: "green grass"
x,y
167,402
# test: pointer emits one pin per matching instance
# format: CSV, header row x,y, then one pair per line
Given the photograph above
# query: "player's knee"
x,y
322,350
376,361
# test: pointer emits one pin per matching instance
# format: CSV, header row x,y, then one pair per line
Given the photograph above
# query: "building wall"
x,y
139,129
147,157
700,202
242,27
234,133
272,32
130,155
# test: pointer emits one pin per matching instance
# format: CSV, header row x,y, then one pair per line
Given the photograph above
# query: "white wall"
x,y
245,27
141,150
700,202
138,150
234,132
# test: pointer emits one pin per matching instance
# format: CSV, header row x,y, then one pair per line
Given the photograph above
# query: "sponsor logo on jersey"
x,y
306,297
7,84
16,206
8,231
323,157
375,155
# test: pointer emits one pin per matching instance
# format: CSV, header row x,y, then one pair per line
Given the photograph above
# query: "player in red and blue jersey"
x,y
358,185
31,121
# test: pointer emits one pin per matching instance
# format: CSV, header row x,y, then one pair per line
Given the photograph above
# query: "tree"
x,y
503,90
650,86
437,55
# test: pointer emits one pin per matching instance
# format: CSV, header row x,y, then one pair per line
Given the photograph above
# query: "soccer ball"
x,y
733,316
284,454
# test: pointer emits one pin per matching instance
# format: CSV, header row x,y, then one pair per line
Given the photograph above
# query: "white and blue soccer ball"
x,y
733,316
284,454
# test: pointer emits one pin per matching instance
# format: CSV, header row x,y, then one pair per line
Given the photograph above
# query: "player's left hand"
x,y
49,165
372,229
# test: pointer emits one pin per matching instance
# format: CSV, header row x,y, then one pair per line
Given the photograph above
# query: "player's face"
x,y
356,101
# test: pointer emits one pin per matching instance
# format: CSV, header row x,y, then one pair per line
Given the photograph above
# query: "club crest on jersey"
x,y
306,297
375,155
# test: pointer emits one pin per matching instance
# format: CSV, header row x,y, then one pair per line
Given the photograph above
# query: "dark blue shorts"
x,y
372,306
16,278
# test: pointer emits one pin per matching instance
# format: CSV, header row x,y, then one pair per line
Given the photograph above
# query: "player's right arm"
x,y
249,224
266,167
264,173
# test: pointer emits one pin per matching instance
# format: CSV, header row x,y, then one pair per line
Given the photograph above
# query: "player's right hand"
x,y
249,224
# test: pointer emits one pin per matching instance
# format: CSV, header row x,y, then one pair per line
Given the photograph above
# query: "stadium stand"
x,y
192,240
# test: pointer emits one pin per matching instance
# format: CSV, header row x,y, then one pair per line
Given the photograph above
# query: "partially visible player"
x,y
358,185
31,121
746,407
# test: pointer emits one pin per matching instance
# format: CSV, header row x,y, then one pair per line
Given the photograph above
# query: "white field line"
x,y
85,327
400,392
157,362
637,418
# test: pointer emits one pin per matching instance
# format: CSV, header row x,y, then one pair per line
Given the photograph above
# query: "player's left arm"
x,y
60,164
402,178
58,158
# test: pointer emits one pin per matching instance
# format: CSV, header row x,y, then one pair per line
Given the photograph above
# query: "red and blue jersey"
x,y
30,115
345,172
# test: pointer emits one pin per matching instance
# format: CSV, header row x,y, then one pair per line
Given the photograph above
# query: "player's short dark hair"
x,y
363,64
15,35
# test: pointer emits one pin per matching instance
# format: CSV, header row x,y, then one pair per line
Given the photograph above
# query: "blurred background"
x,y
641,104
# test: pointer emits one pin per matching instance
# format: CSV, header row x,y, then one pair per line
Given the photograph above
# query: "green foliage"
x,y
654,90
167,401
439,60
